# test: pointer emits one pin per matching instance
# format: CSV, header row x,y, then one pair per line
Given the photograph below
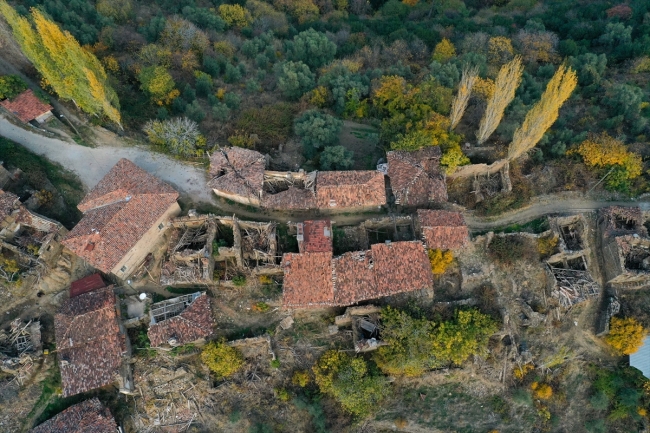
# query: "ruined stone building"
x,y
314,278
441,229
415,177
625,247
124,215
92,346
182,320
240,175
89,416
27,233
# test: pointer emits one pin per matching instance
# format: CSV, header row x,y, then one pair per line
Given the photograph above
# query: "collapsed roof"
x,y
181,320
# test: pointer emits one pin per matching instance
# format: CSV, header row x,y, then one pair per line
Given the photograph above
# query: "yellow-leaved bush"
x,y
625,335
221,359
440,261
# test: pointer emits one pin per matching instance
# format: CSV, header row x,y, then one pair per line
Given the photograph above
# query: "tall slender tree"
x,y
459,103
74,73
544,113
505,86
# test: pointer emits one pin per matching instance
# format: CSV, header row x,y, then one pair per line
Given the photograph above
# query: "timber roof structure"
x,y
89,341
85,417
118,212
443,230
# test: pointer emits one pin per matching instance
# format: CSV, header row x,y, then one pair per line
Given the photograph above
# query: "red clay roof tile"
x,y
343,189
89,416
443,230
317,237
117,213
88,341
194,323
26,106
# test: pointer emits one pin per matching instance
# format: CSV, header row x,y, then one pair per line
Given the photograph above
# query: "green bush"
x,y
336,158
317,130
312,48
239,280
294,79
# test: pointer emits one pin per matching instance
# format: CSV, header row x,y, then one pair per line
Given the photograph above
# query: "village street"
x,y
91,164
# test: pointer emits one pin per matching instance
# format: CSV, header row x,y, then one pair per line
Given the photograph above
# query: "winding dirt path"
x,y
545,205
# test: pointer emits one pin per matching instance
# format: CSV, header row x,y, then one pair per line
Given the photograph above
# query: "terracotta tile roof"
x,y
350,189
401,267
89,416
318,280
307,280
293,198
26,106
355,278
86,284
117,213
194,323
88,341
7,204
317,237
123,180
443,230
237,171
415,178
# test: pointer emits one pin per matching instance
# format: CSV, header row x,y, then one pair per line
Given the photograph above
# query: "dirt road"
x,y
545,205
91,164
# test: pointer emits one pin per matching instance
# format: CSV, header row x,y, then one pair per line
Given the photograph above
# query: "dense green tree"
x,y
294,79
336,158
447,74
340,81
312,48
317,130
157,83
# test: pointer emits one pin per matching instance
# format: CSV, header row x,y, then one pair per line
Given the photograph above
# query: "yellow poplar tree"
x,y
504,92
459,103
544,113
73,72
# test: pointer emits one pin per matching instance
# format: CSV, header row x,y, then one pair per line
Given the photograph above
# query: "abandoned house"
x,y
572,233
86,284
89,416
239,175
202,248
27,233
20,349
28,107
92,346
442,230
123,217
315,278
625,246
572,281
182,320
415,177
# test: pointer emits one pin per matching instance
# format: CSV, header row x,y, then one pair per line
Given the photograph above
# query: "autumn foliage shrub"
x,y
625,335
440,261
221,359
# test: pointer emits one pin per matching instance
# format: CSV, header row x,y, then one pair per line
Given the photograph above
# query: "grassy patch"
x,y
49,387
39,172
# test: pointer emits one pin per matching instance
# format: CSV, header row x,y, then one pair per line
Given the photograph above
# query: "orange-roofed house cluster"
x,y
414,178
315,278
28,107
123,216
